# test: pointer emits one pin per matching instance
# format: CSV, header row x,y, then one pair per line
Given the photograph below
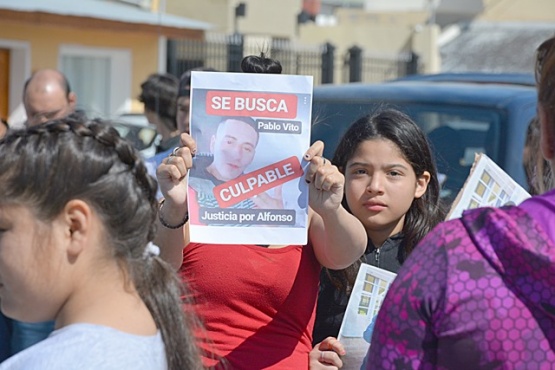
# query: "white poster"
x,y
247,182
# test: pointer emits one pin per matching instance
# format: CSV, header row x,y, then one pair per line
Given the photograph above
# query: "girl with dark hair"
x,y
77,212
391,185
257,302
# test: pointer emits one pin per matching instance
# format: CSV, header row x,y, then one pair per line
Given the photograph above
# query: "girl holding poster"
x,y
258,302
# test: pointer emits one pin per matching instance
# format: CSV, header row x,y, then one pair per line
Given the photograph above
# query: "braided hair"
x,y
46,166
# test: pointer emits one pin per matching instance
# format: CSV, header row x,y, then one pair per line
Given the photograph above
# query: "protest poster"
x,y
366,298
247,182
487,185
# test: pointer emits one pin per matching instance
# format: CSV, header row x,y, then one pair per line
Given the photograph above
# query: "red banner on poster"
x,y
251,104
256,182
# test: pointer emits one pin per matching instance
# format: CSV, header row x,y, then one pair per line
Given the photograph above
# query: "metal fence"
x,y
375,67
225,52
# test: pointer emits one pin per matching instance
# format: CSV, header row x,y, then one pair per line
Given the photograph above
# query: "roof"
x,y
103,9
526,79
495,47
423,91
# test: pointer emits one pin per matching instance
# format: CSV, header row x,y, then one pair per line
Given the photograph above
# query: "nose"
x,y
375,185
236,152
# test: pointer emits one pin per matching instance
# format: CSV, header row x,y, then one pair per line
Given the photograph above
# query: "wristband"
x,y
167,225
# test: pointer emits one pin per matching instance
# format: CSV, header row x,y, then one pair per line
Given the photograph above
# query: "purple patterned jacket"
x,y
477,293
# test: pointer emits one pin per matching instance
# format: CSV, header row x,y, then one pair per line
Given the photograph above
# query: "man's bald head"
x,y
46,96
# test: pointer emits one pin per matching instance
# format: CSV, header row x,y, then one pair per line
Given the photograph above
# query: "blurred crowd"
x,y
97,269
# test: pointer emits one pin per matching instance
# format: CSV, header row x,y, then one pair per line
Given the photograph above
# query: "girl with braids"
x,y
77,212
478,292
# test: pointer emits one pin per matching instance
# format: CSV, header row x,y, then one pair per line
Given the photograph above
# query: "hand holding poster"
x,y
252,131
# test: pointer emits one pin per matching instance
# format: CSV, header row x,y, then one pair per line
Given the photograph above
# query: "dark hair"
x,y
63,81
159,94
185,80
425,212
537,169
545,77
246,120
260,64
45,166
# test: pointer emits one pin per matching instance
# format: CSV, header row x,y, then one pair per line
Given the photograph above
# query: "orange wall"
x,y
45,41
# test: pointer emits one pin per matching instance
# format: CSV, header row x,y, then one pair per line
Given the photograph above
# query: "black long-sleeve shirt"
x,y
332,302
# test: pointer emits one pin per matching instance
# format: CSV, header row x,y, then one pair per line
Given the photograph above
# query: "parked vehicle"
x,y
136,129
462,116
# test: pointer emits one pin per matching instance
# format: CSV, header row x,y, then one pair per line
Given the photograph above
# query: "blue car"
x,y
462,114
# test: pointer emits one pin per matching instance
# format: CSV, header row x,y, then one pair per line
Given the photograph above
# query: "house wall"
x,y
519,10
45,42
379,34
277,18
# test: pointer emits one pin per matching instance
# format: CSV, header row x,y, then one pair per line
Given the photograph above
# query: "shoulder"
x,y
90,347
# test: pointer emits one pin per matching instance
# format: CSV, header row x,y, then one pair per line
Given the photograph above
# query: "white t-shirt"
x,y
87,346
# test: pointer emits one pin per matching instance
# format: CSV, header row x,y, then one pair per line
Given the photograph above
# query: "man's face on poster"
x,y
233,148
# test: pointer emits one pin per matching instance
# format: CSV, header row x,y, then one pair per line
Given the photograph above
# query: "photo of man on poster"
x,y
232,150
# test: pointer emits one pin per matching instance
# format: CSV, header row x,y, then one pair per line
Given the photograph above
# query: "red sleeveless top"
x,y
257,304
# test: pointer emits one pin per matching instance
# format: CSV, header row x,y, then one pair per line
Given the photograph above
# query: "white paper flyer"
x,y
247,182
367,296
487,185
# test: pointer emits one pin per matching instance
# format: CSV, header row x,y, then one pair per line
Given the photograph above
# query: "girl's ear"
x,y
77,218
422,184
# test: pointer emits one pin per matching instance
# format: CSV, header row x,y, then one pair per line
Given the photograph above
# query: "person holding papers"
x,y
257,302
391,185
479,291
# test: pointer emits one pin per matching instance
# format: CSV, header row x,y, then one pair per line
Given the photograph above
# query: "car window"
x,y
456,133
141,137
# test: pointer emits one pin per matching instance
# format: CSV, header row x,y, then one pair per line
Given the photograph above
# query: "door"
x,y
4,82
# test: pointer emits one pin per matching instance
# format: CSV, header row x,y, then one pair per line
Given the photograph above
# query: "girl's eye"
x,y
394,173
359,171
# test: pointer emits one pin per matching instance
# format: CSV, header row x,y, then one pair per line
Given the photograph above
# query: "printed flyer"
x,y
487,185
368,293
247,182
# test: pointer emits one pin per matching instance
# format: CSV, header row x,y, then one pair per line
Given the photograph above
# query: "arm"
x,y
171,175
338,237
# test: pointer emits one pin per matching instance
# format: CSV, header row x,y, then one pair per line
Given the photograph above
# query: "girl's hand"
x,y
324,180
326,355
172,171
